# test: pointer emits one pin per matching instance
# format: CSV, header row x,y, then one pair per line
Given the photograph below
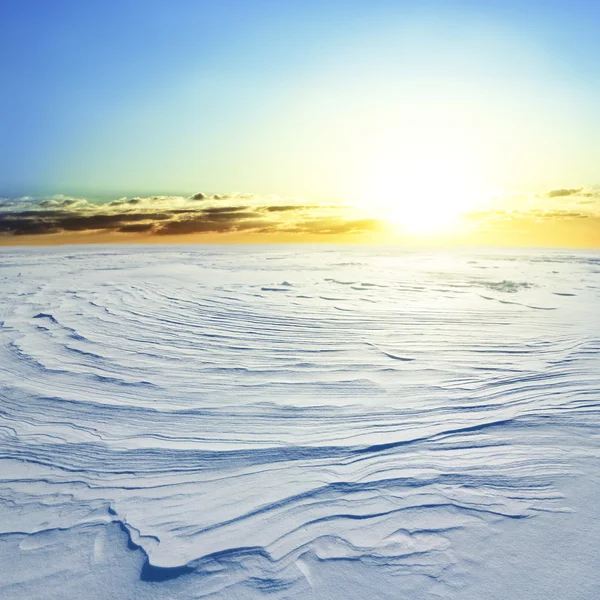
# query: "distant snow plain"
x,y
299,422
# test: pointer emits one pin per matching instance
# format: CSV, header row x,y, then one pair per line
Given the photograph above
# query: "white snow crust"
x,y
299,422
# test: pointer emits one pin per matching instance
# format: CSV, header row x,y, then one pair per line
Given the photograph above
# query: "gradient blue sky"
x,y
294,97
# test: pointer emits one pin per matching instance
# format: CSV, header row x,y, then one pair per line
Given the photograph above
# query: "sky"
x,y
453,121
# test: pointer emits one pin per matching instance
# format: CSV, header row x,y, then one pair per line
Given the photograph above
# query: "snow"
x,y
299,422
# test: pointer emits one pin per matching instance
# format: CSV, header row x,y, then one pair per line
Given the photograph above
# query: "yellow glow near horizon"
x,y
423,191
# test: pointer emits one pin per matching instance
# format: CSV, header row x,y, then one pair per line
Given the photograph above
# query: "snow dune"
x,y
293,422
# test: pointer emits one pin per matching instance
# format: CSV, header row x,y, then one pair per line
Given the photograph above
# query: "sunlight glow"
x,y
424,192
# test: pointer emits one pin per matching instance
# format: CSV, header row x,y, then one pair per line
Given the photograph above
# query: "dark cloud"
x,y
48,221
136,228
286,208
559,193
134,215
26,227
199,196
197,225
39,214
223,209
225,217
212,220
91,222
125,201
230,216
236,195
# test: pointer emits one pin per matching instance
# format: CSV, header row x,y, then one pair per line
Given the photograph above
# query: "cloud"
x,y
136,228
25,226
329,226
559,193
288,207
65,202
201,224
54,221
534,214
581,192
114,221
175,215
558,214
230,195
199,196
126,201
188,226
164,215
223,209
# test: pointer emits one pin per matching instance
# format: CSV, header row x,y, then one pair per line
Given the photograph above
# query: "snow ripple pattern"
x,y
239,417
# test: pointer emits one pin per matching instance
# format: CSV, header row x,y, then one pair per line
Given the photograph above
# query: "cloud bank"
x,y
568,216
175,215
581,192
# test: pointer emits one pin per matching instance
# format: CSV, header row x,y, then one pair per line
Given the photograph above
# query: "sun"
x,y
424,194
432,210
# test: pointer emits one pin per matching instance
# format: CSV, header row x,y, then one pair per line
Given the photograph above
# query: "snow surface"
x,y
295,422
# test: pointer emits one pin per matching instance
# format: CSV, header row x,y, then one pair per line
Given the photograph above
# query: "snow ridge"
x,y
210,421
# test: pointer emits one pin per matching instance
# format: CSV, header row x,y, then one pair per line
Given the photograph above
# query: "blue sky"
x,y
294,97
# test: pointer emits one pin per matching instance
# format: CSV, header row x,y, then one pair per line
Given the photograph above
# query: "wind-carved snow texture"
x,y
291,422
